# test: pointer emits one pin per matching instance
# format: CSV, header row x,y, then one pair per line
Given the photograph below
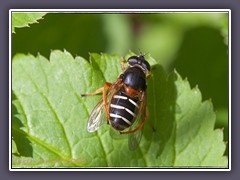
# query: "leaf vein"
x,y
51,108
45,145
84,106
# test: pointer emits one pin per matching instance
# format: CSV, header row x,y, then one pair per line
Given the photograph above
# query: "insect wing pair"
x,y
99,114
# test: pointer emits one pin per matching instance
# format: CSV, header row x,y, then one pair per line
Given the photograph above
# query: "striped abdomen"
x,y
123,110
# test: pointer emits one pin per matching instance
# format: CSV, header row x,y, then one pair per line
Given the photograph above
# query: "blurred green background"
x,y
195,44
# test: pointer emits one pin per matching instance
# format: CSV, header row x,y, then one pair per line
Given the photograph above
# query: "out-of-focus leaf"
x,y
117,29
23,19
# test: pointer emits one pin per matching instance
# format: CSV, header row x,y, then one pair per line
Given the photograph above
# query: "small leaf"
x,y
50,116
23,19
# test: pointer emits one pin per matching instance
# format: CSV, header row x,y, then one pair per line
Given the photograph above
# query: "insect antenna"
x,y
141,54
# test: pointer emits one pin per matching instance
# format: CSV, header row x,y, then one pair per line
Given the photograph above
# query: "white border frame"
x,y
120,11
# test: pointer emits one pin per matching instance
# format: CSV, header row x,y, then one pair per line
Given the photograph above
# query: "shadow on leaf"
x,y
161,96
18,135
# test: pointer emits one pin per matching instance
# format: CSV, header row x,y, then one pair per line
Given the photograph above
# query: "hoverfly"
x,y
123,103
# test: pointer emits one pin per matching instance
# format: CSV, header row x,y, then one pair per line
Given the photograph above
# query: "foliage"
x,y
24,19
49,117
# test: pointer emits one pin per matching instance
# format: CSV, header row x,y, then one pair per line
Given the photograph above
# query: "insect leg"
x,y
98,90
105,88
134,130
123,65
150,122
140,125
94,93
148,75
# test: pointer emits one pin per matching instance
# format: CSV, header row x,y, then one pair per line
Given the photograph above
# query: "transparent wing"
x,y
96,118
135,138
98,115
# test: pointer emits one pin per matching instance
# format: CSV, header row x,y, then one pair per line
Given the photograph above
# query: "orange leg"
x,y
123,65
94,93
141,125
104,90
98,90
150,122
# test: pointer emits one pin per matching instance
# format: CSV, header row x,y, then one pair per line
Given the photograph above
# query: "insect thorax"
x,y
135,78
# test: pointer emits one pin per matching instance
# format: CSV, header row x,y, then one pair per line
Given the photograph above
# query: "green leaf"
x,y
14,148
50,116
23,19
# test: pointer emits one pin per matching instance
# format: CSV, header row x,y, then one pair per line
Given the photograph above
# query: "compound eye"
x,y
132,60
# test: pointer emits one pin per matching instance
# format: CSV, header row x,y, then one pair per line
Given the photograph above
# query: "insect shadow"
x,y
24,146
161,95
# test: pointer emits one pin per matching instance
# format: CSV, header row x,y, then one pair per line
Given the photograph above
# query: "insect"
x,y
123,102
